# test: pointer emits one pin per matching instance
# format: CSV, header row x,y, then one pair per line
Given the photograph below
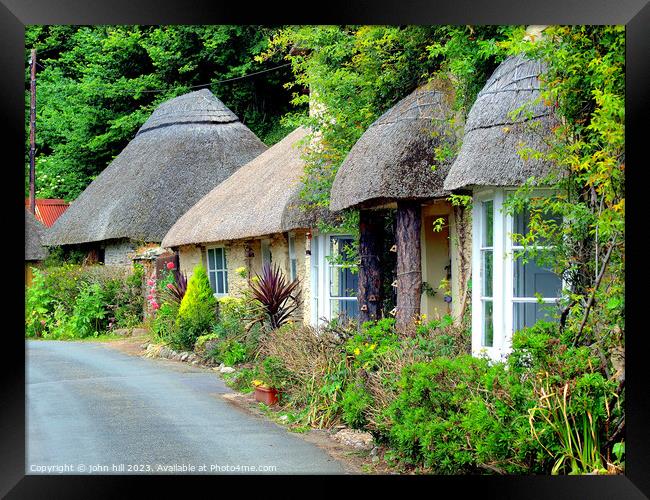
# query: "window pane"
x,y
487,272
225,277
218,257
211,264
521,223
343,283
220,284
488,223
526,314
488,327
294,269
339,246
213,284
531,279
225,265
344,309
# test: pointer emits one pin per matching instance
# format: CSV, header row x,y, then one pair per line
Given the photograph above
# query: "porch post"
x,y
371,229
409,266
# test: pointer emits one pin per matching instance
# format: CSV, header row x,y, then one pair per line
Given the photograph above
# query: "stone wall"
x,y
117,252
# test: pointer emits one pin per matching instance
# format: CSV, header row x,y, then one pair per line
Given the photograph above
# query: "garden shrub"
x,y
164,326
456,415
274,374
374,340
355,402
86,300
231,352
196,313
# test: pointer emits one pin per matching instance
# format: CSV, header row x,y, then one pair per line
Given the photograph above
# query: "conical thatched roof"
x,y
257,200
489,154
34,231
188,145
393,159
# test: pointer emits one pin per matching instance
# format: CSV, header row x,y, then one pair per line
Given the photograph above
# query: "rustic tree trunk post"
x,y
371,229
409,265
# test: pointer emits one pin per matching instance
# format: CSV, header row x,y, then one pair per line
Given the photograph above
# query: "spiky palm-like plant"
x,y
278,298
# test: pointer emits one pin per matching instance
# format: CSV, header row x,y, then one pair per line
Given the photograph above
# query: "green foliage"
x,y
98,84
38,306
457,416
355,402
231,352
374,340
88,311
274,373
164,325
242,380
196,313
71,301
440,337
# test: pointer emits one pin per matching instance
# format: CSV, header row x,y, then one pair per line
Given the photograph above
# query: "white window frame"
x,y
321,270
503,298
214,271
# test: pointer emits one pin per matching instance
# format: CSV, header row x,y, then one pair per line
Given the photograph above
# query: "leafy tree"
x,y
98,84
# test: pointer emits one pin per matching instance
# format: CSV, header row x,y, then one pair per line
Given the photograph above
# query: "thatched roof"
x,y
257,200
188,145
392,160
489,154
34,231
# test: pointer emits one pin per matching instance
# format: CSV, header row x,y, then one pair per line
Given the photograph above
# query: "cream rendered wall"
x,y
189,256
436,254
236,258
304,273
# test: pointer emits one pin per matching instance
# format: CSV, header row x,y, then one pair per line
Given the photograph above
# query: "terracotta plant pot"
x,y
266,395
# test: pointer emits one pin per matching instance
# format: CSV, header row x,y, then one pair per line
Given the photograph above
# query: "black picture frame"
x,y
635,14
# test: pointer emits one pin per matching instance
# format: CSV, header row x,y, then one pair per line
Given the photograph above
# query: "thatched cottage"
x,y
506,290
35,252
392,166
252,218
188,145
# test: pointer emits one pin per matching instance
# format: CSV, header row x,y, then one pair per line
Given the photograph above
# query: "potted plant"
x,y
273,377
265,394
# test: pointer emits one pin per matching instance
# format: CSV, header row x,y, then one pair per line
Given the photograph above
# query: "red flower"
x,y
150,283
150,296
170,265
155,305
170,286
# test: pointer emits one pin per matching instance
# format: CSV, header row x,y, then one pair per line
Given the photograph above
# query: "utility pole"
x,y
32,135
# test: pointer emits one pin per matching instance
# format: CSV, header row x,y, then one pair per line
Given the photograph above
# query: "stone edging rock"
x,y
162,351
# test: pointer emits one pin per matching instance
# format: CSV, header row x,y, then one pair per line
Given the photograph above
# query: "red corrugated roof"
x,y
48,210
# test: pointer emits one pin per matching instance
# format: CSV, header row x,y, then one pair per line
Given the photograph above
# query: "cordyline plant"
x,y
177,289
278,298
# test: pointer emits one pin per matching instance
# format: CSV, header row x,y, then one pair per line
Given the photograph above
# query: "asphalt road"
x,y
93,410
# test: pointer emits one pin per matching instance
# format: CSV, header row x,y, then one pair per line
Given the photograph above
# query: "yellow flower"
x,y
357,351
424,316
372,347
257,382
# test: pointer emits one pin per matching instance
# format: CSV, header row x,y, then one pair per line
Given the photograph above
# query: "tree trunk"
x,y
409,265
371,229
